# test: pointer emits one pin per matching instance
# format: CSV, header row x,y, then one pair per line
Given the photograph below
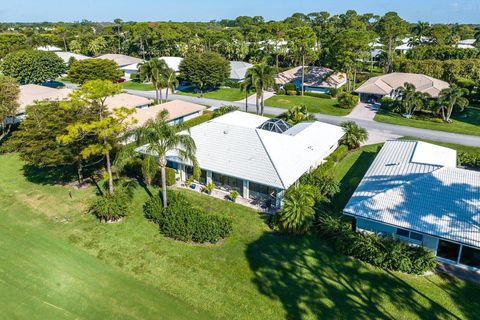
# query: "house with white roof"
x,y
49,48
414,191
66,56
257,156
238,70
374,89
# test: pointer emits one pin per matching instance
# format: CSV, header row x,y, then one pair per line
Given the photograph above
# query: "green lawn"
x,y
466,123
132,271
133,85
228,94
316,105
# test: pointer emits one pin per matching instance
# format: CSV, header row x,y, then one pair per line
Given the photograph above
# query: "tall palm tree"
x,y
420,29
171,81
263,78
154,71
354,134
247,86
451,98
297,213
411,99
158,137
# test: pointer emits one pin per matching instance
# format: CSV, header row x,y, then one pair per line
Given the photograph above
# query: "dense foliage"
x,y
469,159
32,66
296,115
10,42
206,116
347,101
442,53
182,221
111,207
354,134
94,69
205,70
9,94
448,70
384,252
223,110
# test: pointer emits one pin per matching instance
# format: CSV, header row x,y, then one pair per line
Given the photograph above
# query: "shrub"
x,y
233,195
111,207
318,95
334,92
347,101
291,92
209,187
223,110
469,159
384,252
281,92
290,87
339,153
206,116
170,176
182,221
389,104
232,84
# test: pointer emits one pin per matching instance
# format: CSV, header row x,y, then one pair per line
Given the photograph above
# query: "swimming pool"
x,y
298,84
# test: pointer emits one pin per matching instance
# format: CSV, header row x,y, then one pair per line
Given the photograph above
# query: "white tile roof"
x,y
30,93
120,59
49,48
233,145
424,193
173,62
238,69
66,56
385,84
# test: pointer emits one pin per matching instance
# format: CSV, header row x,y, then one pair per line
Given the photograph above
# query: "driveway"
x,y
377,130
365,111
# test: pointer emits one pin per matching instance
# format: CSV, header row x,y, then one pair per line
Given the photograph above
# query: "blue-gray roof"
x,y
437,199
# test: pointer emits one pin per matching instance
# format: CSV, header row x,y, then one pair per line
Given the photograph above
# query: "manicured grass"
x,y
133,85
466,123
228,94
316,105
254,274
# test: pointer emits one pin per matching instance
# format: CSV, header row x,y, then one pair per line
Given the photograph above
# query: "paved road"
x,y
372,126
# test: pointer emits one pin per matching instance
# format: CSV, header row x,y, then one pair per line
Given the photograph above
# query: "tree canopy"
x,y
205,70
94,69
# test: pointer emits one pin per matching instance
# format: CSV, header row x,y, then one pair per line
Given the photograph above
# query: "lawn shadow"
x,y
309,279
49,176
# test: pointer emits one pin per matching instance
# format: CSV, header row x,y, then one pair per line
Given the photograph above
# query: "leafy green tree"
x,y
205,70
391,28
155,71
354,134
75,46
32,66
411,99
35,140
97,46
302,42
439,33
263,78
105,129
347,100
296,115
82,71
9,94
158,137
420,30
10,42
451,98
297,213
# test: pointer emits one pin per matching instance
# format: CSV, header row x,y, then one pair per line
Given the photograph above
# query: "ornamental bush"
x,y
206,116
289,87
469,159
182,221
110,208
318,95
347,101
291,92
381,251
223,110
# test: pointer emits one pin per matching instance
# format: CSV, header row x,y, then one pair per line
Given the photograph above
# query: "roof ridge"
x,y
270,158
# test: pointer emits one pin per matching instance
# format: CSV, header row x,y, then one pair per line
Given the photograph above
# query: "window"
x,y
409,234
448,250
403,233
470,257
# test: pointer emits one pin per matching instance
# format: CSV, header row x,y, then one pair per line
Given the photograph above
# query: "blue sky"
x,y
462,11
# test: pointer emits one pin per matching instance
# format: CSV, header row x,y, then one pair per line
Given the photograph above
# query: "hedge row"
x,y
182,221
469,159
384,252
206,116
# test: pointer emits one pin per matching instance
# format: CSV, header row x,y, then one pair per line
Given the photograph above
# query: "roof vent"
x,y
391,164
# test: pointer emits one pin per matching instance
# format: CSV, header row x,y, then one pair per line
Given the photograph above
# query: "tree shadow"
x,y
50,175
310,279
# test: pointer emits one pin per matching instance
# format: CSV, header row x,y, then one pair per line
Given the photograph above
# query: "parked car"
x,y
53,84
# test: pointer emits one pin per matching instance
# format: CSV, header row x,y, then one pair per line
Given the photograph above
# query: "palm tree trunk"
x,y
262,104
163,170
256,102
161,98
166,94
156,95
246,99
65,43
303,72
110,175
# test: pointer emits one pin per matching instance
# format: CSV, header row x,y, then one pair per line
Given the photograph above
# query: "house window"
x,y
448,250
409,234
470,257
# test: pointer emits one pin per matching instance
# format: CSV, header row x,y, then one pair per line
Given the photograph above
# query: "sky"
x,y
435,11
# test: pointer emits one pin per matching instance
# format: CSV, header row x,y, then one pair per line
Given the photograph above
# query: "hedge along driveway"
x,y
467,122
313,104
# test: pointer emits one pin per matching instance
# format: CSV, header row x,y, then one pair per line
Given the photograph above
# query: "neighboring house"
x,y
128,64
30,93
178,112
466,44
317,79
257,156
66,56
238,70
376,88
49,48
173,62
128,101
414,191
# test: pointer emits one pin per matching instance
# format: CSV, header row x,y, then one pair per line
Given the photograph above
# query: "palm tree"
x,y
411,99
477,36
297,213
451,98
420,29
157,138
171,81
154,71
247,86
263,78
296,115
354,134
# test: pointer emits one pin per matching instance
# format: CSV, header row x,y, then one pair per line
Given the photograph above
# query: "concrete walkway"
x,y
379,129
